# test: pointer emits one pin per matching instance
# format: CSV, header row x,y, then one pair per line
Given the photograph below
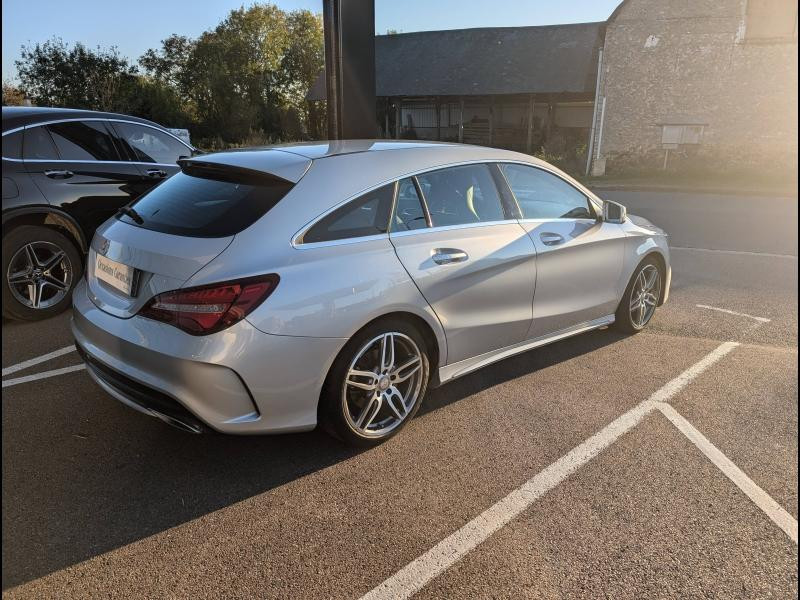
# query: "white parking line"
x,y
764,501
43,375
733,312
419,572
736,252
39,359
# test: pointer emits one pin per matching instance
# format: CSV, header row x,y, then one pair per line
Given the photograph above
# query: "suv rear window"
x,y
202,205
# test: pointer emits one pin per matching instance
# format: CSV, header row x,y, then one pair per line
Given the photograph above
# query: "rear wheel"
x,y
638,304
376,384
40,268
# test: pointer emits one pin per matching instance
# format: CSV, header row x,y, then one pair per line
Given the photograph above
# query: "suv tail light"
x,y
210,308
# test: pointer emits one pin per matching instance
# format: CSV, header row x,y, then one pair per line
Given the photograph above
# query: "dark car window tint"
x,y
542,195
366,215
12,145
83,140
38,145
146,144
460,195
198,206
408,211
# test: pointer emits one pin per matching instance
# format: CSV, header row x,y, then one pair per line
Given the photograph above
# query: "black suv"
x,y
65,172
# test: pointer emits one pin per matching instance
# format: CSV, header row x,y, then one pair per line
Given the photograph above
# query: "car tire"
x,y
348,409
40,268
638,304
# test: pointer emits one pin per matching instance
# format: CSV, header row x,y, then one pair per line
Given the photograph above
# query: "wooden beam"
x,y
491,119
461,120
531,106
438,119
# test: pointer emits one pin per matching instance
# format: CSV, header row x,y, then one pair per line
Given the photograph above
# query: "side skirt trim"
x,y
448,372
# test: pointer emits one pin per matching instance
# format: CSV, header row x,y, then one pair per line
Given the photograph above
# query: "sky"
x,y
136,26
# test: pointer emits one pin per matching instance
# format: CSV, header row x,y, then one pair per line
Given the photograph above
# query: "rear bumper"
x,y
240,380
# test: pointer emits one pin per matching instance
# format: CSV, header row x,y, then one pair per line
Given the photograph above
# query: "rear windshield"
x,y
199,206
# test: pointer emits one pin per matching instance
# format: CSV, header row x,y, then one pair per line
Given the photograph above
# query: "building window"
x,y
771,19
674,135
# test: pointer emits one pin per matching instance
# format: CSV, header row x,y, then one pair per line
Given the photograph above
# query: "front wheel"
x,y
376,384
638,304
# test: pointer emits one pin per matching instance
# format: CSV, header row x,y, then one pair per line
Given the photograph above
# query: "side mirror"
x,y
614,212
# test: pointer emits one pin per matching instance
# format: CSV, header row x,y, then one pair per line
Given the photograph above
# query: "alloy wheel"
x,y
382,384
644,295
39,275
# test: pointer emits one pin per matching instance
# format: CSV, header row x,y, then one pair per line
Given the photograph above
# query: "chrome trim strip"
x,y
341,242
451,227
91,162
448,372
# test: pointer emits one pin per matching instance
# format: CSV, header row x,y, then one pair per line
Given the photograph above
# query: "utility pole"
x,y
350,68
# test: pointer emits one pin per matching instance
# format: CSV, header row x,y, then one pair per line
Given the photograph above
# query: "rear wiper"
x,y
129,212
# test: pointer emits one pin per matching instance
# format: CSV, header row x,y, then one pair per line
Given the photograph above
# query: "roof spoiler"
x,y
230,173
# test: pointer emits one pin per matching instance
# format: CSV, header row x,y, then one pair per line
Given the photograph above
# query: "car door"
x,y
77,167
579,257
154,151
471,261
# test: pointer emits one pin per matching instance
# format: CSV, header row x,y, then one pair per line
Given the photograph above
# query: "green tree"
x,y
53,74
168,62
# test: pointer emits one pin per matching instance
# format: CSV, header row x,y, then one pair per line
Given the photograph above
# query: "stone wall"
x,y
691,60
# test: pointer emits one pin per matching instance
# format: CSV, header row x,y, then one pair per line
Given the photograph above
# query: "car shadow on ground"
x,y
127,476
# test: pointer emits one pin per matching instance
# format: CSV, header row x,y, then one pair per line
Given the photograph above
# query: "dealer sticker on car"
x,y
115,274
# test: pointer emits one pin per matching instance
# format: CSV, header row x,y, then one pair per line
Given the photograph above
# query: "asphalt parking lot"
x,y
657,465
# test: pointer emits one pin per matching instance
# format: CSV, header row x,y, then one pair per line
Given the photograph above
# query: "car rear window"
x,y
205,206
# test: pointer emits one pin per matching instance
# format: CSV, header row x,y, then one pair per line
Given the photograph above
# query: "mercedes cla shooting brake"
x,y
269,290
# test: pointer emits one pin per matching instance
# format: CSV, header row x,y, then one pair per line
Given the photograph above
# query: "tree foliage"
x,y
12,95
244,78
56,75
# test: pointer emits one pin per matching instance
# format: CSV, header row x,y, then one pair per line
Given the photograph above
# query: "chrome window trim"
x,y
341,242
90,162
453,227
296,240
558,220
72,119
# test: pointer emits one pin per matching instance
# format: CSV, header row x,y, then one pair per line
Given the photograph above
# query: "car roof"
x,y
17,116
292,161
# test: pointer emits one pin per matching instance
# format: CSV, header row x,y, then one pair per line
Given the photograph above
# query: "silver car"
x,y
271,290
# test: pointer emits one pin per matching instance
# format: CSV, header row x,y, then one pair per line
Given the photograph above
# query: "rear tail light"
x,y
210,308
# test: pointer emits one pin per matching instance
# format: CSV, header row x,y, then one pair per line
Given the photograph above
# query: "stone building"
x,y
684,84
709,84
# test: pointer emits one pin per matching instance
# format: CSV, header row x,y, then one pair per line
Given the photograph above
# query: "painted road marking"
x,y
735,252
43,375
39,359
733,312
762,499
419,572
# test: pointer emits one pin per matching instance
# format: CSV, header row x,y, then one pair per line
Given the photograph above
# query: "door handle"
x,y
445,256
59,174
551,239
156,173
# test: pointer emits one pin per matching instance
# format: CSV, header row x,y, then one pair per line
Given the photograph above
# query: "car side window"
x,y
408,211
366,215
461,195
83,140
12,145
38,145
542,195
149,145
